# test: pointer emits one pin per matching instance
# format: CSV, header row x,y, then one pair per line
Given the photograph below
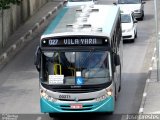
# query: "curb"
x,y
147,83
20,41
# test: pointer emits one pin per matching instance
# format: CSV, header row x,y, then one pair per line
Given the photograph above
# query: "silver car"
x,y
136,6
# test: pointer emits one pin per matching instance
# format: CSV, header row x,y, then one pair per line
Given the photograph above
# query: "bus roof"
x,y
84,20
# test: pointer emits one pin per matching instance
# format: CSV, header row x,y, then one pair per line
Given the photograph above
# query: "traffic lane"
x,y
133,79
135,69
20,88
19,81
88,116
93,116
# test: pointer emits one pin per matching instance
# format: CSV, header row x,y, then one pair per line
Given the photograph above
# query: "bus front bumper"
x,y
106,105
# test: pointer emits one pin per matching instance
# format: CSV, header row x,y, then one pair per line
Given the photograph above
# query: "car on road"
x,y
70,3
136,6
129,26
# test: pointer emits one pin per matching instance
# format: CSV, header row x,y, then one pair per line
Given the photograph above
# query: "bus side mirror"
x,y
37,58
117,60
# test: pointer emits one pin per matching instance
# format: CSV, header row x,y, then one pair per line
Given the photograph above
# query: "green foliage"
x,y
5,4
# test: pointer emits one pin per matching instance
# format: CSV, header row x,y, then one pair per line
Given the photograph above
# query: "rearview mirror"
x,y
117,60
115,3
37,58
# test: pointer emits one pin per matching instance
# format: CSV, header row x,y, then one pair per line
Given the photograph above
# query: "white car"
x,y
70,3
136,6
129,26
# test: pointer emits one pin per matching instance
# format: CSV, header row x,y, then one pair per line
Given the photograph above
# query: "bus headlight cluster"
x,y
101,98
47,97
108,93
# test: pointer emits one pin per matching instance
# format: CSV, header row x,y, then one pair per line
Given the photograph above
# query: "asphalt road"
x,y
19,84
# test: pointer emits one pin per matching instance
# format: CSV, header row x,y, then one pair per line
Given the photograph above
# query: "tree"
x,y
5,4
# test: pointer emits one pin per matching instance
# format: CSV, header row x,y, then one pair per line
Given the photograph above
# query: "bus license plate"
x,y
76,106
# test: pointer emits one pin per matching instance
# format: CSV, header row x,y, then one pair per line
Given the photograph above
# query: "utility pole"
x,y
157,39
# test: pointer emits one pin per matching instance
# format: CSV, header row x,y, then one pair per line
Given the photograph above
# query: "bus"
x,y
79,60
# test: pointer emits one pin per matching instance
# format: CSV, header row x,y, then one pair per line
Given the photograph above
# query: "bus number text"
x,y
64,96
53,42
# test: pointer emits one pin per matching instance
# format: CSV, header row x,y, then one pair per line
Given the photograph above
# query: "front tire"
x,y
141,18
119,89
51,115
133,40
136,35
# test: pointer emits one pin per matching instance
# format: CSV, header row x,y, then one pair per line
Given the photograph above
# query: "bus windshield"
x,y
75,68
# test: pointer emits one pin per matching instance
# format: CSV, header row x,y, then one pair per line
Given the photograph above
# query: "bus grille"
x,y
78,100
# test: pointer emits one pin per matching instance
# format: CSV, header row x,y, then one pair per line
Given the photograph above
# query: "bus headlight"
x,y
109,92
47,97
101,98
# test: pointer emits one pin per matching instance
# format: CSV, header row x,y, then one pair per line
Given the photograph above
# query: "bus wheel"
x,y
51,115
119,88
115,95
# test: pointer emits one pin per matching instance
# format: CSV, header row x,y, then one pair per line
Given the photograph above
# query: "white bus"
x,y
79,60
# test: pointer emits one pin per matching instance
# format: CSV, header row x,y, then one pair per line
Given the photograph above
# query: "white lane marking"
x,y
144,94
39,118
141,110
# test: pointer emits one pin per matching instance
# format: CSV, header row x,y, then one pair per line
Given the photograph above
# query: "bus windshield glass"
x,y
75,68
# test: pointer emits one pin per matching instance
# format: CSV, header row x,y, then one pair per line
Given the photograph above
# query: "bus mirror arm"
x,y
37,58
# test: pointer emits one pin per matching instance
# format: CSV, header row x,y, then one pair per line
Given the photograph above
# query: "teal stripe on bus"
x,y
55,22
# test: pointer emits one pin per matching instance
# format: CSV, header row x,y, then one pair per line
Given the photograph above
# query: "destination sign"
x,y
73,41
